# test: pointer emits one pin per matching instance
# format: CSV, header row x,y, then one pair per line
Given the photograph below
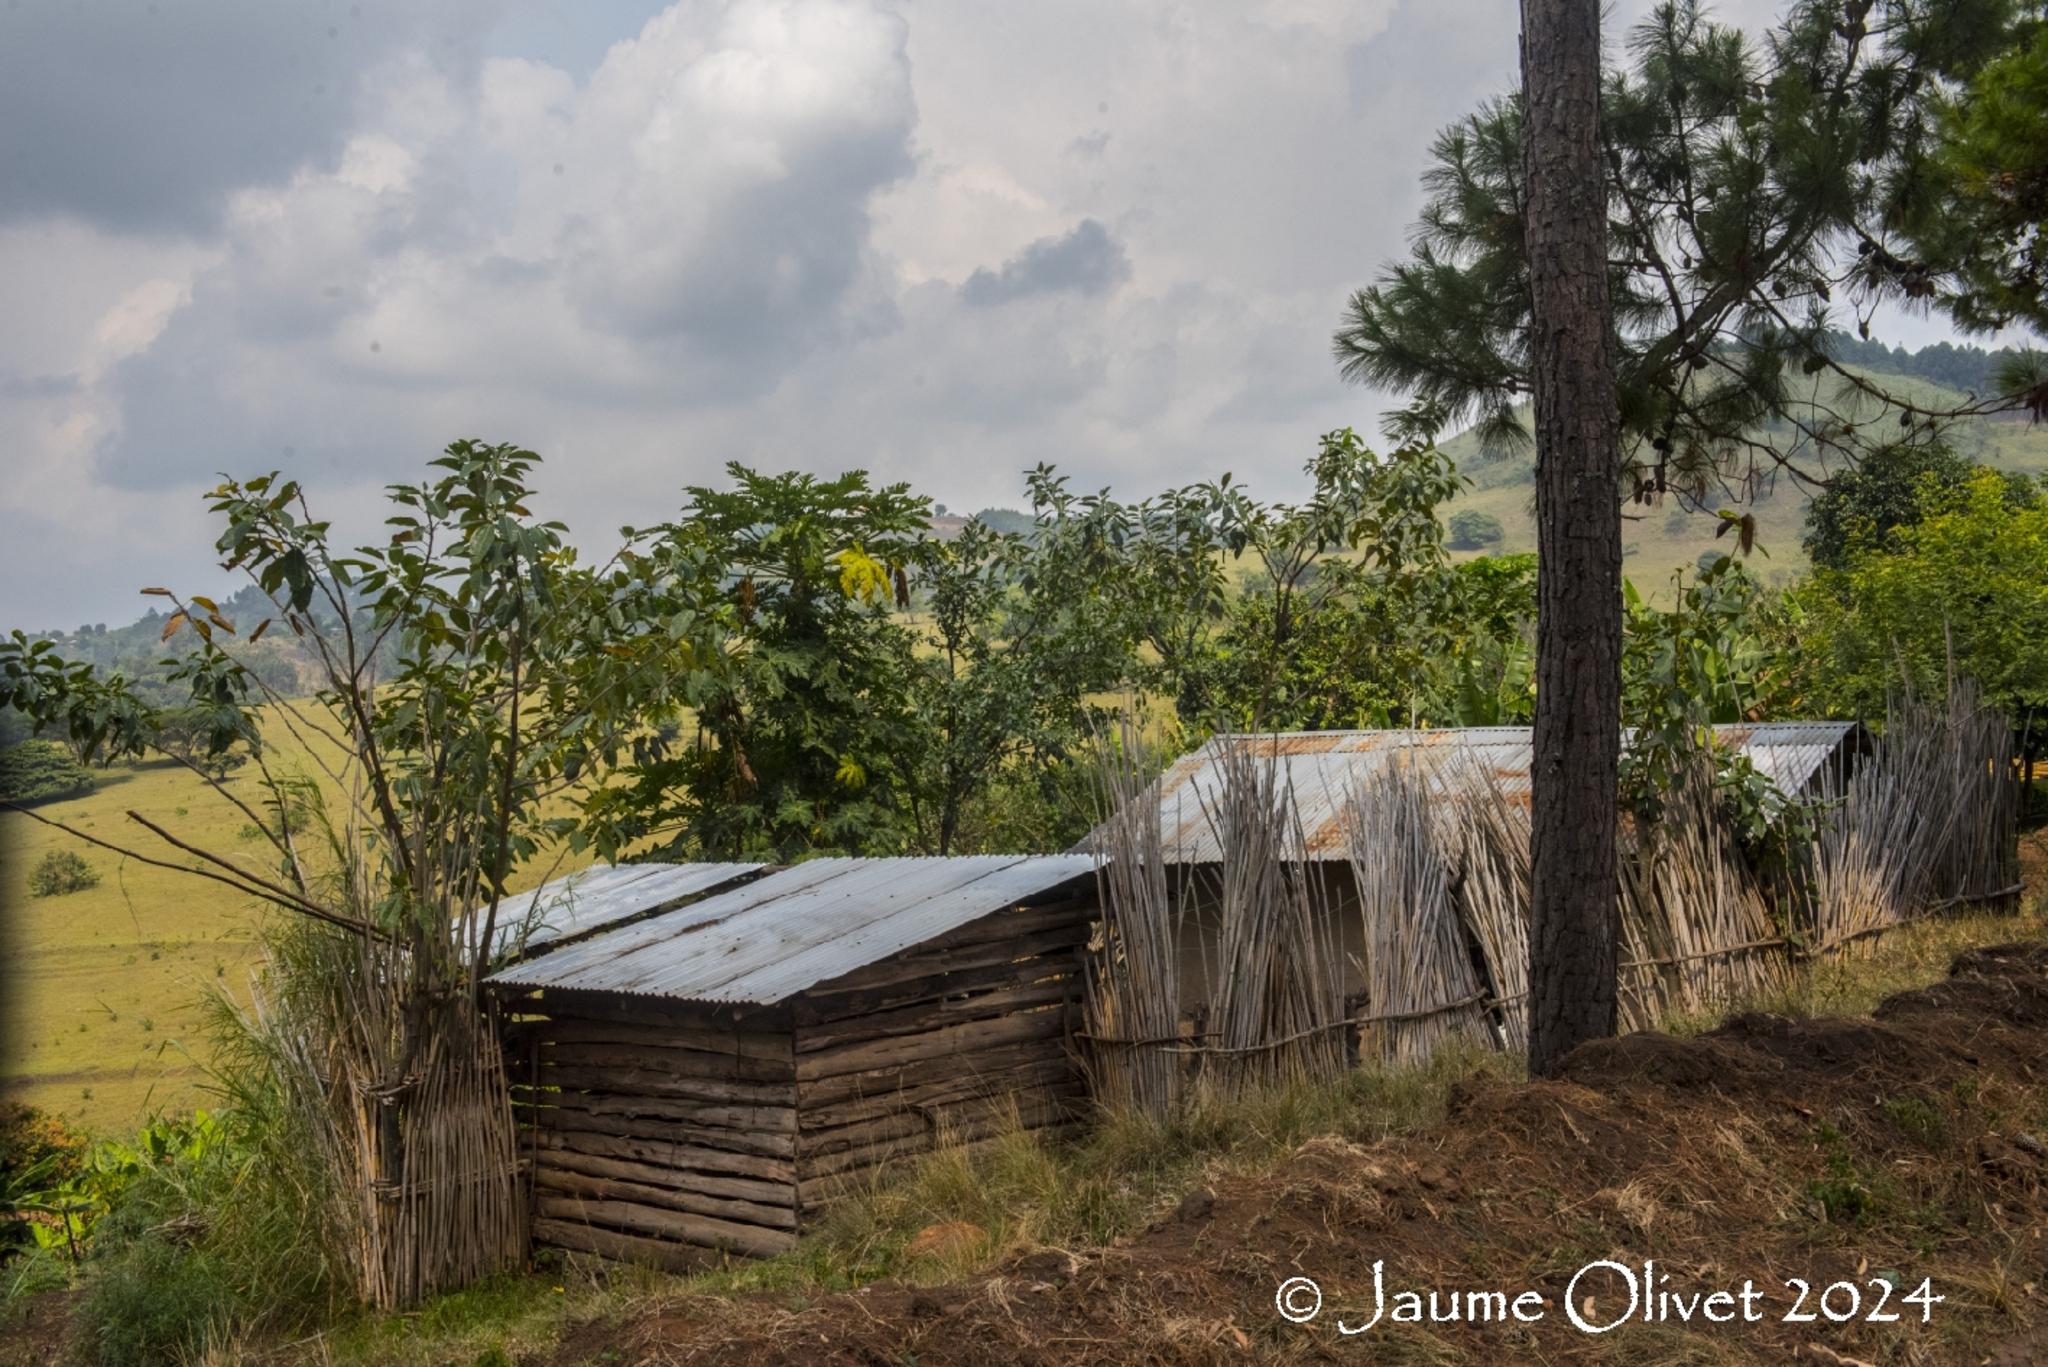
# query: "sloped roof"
x,y
1323,766
770,939
593,898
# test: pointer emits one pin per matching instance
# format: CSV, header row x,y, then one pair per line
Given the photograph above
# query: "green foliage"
x,y
1709,659
1991,224
38,771
1752,185
37,1154
193,735
1861,507
1958,366
192,1232
155,1303
1000,694
1367,543
800,679
60,872
1964,590
1472,529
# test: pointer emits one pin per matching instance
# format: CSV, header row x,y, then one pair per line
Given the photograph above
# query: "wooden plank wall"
x,y
657,1131
957,1036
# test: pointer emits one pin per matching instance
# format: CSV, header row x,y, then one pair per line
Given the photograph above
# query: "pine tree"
x,y
1572,927
1759,195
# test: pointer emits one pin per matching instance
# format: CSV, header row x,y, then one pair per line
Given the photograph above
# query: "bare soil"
x,y
1912,1145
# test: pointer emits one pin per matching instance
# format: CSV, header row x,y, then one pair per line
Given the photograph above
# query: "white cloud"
x,y
752,230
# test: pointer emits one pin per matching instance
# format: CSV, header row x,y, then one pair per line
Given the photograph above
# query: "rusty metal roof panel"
x,y
604,894
1321,767
768,940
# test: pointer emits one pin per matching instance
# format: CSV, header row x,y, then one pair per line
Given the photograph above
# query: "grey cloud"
x,y
14,385
145,117
767,271
1090,146
1086,261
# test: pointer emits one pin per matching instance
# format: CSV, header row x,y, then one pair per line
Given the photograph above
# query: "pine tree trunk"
x,y
1572,931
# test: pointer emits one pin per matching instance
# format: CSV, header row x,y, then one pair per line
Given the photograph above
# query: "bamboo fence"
x,y
1276,983
1438,847
1421,983
1131,1003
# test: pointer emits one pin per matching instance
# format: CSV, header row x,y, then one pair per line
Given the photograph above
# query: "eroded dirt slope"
x,y
1880,1152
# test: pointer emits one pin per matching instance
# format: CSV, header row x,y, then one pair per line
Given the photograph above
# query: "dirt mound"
x,y
1880,1153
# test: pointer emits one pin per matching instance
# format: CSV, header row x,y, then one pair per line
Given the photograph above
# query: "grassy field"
x,y
1659,540
105,985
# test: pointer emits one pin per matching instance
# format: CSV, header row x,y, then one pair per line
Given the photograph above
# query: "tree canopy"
x,y
1763,194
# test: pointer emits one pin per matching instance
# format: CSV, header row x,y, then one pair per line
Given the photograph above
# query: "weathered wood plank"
x,y
681,1063
877,1082
980,955
624,1078
954,1085
927,1121
664,1150
624,1248
625,1040
678,1132
813,1009
768,1022
667,1224
822,1175
697,1114
945,1041
948,1010
568,1159
566,1183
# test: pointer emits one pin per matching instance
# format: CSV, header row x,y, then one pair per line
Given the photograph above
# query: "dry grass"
x,y
1851,984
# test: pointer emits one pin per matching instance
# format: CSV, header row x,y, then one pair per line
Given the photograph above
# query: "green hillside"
x,y
1659,540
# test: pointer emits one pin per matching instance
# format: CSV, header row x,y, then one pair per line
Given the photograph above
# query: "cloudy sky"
x,y
940,239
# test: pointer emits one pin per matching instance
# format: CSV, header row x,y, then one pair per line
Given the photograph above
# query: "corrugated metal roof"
x,y
593,898
1322,767
770,939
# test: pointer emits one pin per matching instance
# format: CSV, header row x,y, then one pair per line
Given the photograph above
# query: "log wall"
x,y
957,1039
664,1131
657,1131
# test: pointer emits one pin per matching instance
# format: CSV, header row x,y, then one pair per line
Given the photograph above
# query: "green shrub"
x,y
1471,529
59,872
203,1231
38,771
156,1302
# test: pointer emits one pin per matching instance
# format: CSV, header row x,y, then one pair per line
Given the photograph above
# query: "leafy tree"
x,y
520,673
38,771
1440,645
187,734
1001,691
1989,230
1887,491
1472,529
1754,192
1713,657
1964,590
800,699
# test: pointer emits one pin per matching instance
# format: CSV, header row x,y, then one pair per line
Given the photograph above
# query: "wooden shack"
x,y
709,1077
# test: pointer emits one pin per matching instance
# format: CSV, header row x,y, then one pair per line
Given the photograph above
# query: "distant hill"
x,y
138,649
1658,541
